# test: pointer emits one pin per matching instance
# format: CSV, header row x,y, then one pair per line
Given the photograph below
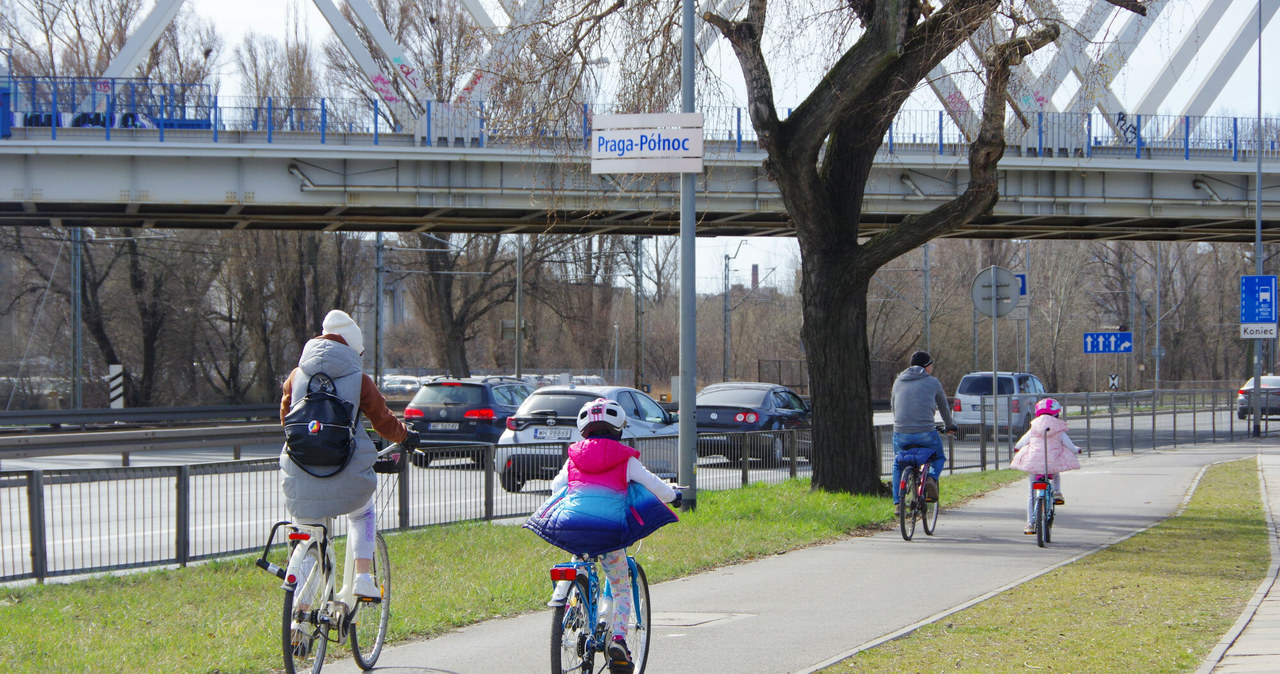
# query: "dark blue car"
x,y
452,411
729,408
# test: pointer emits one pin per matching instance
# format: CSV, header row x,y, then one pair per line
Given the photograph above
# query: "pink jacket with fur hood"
x,y
1045,435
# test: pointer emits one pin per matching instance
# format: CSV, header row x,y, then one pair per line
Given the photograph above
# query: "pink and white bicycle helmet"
x,y
601,417
1048,406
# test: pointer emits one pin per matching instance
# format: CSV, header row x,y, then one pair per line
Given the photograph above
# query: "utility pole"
x,y
639,288
379,268
77,320
928,345
519,302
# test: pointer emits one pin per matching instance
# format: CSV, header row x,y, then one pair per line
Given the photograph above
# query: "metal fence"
x,y
64,522
131,110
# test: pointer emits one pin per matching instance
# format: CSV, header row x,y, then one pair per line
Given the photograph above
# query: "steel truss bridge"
x,y
113,151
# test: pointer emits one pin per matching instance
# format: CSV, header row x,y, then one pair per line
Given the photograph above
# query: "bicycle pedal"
x,y
369,600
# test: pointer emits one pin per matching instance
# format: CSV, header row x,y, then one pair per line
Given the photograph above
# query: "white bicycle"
x,y
314,608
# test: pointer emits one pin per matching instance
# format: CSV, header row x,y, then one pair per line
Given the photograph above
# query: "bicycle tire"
x,y
907,499
930,518
570,630
1040,523
369,621
640,624
307,654
1048,520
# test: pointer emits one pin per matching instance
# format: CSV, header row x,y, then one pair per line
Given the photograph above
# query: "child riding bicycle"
x,y
916,397
603,500
1048,451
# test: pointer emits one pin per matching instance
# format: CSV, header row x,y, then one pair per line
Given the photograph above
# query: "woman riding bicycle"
x,y
917,396
310,499
1047,437
603,500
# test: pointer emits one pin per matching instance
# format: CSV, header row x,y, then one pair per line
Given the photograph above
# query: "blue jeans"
x,y
904,443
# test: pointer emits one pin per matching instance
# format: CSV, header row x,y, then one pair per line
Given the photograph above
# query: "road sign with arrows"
x,y
1108,342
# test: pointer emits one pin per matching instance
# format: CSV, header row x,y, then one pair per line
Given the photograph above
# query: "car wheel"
x,y
772,452
1242,413
511,483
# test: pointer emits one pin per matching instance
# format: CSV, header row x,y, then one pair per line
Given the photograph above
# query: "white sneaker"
x,y
365,587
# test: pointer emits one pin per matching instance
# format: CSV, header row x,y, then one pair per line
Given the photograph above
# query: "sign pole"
x,y
995,377
688,298
1255,400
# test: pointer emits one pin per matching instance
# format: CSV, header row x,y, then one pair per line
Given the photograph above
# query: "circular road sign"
x,y
998,283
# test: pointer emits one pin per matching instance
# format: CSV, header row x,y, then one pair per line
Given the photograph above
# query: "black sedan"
x,y
736,416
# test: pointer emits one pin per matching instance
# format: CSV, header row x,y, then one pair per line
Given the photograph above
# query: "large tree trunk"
x,y
837,350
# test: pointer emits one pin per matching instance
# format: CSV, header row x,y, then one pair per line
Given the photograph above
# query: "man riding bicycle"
x,y
917,395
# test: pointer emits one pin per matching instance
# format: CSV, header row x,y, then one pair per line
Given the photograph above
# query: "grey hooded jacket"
x,y
916,396
309,498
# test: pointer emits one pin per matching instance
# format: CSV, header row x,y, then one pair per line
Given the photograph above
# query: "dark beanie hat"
x,y
921,358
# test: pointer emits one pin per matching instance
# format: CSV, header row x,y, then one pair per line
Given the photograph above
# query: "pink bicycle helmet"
x,y
1048,406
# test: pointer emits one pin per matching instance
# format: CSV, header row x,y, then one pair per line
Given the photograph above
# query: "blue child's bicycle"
x,y
583,617
1042,518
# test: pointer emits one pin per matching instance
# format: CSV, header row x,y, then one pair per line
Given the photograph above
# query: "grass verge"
x,y
224,616
1157,602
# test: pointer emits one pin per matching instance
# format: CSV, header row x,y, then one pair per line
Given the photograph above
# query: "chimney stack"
x,y
755,276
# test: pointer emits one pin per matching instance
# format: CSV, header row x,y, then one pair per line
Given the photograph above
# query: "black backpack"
x,y
319,430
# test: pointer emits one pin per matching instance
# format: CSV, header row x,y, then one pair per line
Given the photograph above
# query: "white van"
x,y
1017,395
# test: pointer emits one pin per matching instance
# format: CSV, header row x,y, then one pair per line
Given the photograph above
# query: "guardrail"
x,y
64,522
22,419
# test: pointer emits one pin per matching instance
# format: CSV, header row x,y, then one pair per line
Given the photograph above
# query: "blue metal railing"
x,y
164,109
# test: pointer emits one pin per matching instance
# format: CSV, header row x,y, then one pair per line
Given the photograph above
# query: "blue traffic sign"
x,y
1108,342
1257,299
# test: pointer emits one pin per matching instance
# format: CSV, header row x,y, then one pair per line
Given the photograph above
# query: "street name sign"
x,y
1108,342
1258,307
665,143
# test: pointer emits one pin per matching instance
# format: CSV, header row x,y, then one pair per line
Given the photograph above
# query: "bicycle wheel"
x,y
1041,524
639,625
369,622
1048,520
570,631
908,497
304,647
930,518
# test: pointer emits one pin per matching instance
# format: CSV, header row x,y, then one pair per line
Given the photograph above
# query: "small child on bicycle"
x,y
1048,450
603,500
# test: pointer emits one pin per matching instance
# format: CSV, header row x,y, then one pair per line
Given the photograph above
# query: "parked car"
x,y
449,410
737,407
532,447
1017,395
399,386
1269,397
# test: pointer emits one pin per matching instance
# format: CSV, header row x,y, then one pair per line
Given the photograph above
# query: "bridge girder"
x,y
501,191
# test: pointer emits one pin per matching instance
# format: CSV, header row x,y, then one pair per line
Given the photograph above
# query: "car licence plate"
x,y
443,426
551,433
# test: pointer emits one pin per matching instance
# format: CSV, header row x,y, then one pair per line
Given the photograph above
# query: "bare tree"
x,y
821,156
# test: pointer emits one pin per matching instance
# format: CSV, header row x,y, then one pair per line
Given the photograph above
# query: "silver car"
x,y
532,447
1268,397
1017,395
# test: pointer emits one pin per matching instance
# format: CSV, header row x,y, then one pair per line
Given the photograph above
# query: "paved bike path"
x,y
800,610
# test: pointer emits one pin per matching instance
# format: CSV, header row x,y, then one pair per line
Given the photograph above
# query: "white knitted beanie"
x,y
339,323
